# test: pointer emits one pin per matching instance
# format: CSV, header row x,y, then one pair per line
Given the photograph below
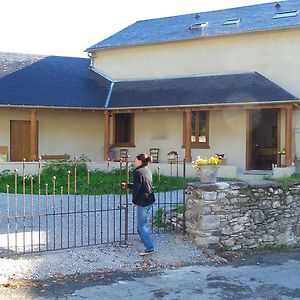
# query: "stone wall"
x,y
241,215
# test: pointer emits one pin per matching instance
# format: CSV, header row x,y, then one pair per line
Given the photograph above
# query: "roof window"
x,y
231,22
198,25
286,14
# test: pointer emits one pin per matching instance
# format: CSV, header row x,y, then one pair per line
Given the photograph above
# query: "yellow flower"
x,y
213,160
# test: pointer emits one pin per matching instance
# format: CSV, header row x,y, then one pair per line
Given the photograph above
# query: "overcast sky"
x,y
68,27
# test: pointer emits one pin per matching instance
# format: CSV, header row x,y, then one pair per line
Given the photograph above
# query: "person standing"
x,y
143,197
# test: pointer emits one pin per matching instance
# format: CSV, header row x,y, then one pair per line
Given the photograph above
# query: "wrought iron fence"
x,y
65,205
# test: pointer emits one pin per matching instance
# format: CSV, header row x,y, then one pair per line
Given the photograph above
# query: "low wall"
x,y
241,215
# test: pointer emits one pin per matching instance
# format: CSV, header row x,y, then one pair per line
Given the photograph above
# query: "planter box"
x,y
279,172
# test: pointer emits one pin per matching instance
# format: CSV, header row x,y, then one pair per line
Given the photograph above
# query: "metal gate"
x,y
65,205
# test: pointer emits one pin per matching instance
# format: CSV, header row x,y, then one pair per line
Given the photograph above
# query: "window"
x,y
231,22
124,130
198,25
199,129
286,14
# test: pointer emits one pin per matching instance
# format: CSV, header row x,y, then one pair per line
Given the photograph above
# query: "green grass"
x,y
158,219
97,182
277,248
285,182
180,209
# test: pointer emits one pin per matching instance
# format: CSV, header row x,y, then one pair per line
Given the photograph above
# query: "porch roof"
x,y
222,89
50,81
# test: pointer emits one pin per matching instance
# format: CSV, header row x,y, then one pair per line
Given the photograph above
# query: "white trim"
x,y
109,95
50,107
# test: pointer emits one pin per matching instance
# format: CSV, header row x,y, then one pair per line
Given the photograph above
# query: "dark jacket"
x,y
142,186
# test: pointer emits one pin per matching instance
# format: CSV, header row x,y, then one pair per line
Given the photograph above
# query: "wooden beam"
x,y
278,137
163,109
248,140
33,135
288,136
206,108
188,129
50,109
106,134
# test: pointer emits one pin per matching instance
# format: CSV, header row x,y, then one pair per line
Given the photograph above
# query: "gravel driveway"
x,y
171,250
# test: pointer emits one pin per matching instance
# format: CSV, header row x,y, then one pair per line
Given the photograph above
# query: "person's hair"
x,y
144,158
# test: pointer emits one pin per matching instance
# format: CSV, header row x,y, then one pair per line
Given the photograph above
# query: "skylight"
x,y
231,21
198,25
286,14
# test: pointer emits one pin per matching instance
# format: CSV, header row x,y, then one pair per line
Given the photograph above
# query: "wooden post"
x,y
33,135
188,129
288,136
106,134
248,141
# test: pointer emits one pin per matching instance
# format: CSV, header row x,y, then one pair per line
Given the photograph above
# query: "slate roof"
x,y
252,18
196,91
68,82
50,81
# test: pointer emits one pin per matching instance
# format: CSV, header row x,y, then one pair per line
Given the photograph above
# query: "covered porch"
x,y
260,124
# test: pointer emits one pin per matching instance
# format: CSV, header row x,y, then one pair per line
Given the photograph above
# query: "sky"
x,y
68,27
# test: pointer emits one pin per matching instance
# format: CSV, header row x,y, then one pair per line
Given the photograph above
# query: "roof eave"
x,y
291,102
90,50
50,107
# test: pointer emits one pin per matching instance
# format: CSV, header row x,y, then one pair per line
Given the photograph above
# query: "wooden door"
x,y
263,138
20,140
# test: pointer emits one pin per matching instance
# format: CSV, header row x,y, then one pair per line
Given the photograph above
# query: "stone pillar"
x,y
203,212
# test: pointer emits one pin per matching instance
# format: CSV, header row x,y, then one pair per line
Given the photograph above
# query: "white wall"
x,y
165,131
274,54
74,133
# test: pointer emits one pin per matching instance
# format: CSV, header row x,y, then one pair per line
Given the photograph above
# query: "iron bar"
x,y
68,227
16,210
24,204
88,216
126,207
61,215
54,210
75,192
47,213
32,211
8,215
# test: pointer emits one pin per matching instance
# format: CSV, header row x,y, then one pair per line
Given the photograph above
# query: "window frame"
x,y
198,145
234,21
132,129
286,14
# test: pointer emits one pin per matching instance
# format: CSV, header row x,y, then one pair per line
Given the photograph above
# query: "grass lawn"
x,y
285,182
97,182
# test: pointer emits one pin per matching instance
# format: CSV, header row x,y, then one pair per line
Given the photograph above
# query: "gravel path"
x,y
172,250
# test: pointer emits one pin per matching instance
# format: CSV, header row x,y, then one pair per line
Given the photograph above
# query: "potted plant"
x,y
207,168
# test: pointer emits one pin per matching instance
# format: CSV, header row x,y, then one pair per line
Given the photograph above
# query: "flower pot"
x,y
208,173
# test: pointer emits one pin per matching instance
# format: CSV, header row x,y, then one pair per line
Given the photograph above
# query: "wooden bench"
x,y
3,153
55,157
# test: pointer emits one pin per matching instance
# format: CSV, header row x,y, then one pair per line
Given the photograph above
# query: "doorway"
x,y
20,140
263,139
